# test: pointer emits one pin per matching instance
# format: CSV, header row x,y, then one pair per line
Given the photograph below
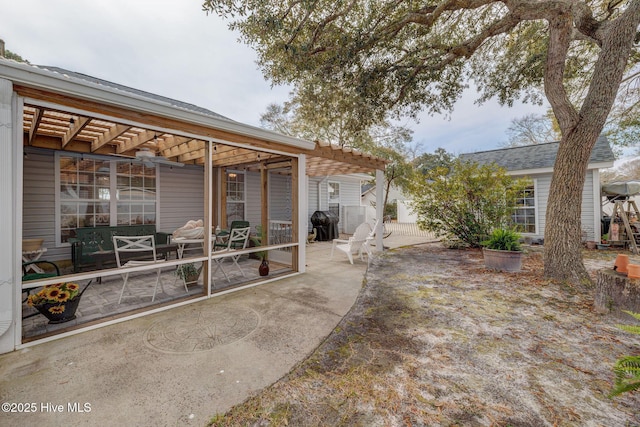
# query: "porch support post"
x,y
264,198
9,208
300,210
379,208
208,215
223,198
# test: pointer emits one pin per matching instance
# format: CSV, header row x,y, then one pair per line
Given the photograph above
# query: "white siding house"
x,y
536,162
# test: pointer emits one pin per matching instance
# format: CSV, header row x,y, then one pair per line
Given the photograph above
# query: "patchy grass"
x,y
436,339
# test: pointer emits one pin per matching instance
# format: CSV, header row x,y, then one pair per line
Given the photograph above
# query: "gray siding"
x,y
181,196
588,210
349,194
253,200
313,199
38,205
280,199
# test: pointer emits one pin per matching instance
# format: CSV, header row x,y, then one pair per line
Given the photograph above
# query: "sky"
x,y
174,49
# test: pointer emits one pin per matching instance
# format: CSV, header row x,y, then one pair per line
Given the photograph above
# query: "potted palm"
x,y
502,251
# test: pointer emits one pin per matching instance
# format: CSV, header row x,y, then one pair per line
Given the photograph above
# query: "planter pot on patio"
x,y
263,269
502,260
59,312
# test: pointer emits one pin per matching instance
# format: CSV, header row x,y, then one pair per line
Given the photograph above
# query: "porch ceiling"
x,y
60,130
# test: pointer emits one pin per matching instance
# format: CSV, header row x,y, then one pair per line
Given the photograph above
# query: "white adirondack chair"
x,y
356,244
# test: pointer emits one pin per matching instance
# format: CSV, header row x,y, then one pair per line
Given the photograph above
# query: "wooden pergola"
x,y
60,130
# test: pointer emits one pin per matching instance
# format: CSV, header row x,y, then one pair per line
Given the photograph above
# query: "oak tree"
x,y
407,56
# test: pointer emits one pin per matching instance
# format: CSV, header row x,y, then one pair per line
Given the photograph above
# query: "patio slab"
x,y
184,365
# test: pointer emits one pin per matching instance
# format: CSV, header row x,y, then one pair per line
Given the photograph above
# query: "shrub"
x,y
467,201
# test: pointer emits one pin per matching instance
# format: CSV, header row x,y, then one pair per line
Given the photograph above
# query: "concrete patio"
x,y
184,365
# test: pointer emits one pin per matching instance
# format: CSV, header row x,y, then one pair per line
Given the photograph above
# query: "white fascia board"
x,y
37,78
601,165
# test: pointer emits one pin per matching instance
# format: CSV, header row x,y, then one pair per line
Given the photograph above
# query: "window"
x,y
135,194
93,192
235,196
334,198
524,215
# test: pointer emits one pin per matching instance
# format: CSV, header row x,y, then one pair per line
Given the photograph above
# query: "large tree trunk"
x,y
580,130
562,236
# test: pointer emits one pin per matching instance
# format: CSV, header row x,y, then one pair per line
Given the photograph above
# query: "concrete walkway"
x,y
184,365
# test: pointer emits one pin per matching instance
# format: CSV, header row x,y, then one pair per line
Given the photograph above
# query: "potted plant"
x,y
604,241
502,251
57,302
263,268
188,272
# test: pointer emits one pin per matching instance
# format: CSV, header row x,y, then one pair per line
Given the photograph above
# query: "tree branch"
x,y
560,29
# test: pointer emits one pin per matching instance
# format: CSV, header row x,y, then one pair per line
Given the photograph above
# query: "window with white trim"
x,y
334,197
235,196
93,191
524,215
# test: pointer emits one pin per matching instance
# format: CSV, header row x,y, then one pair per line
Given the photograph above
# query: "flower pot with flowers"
x,y
57,302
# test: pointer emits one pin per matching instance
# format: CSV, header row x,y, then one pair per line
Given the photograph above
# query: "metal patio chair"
x,y
136,247
238,239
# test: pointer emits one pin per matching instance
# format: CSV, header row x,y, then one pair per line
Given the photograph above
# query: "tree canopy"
x,y
403,57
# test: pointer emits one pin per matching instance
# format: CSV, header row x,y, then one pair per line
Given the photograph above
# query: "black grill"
x,y
326,223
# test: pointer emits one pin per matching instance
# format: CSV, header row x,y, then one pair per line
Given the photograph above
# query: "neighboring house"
x,y
536,162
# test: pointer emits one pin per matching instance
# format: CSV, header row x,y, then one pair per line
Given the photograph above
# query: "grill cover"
x,y
326,224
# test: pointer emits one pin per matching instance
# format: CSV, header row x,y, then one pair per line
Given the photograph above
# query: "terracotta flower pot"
x,y
633,271
622,261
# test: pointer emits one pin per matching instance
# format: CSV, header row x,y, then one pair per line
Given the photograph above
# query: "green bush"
x,y
502,239
466,202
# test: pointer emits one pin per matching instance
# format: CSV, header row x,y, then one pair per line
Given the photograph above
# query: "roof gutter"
x,y
37,78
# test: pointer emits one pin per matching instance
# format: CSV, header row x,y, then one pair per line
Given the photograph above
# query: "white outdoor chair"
x,y
356,244
238,239
143,246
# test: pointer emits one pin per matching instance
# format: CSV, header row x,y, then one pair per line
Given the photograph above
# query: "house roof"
x,y
538,156
101,82
69,111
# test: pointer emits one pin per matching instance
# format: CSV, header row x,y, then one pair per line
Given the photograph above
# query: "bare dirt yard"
x,y
435,339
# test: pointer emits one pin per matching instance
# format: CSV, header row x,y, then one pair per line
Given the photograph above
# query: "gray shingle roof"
x,y
539,156
151,96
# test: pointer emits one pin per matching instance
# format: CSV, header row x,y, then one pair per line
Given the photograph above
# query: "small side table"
x,y
30,256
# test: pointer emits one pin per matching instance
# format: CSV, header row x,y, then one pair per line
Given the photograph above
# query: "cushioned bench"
x,y
90,240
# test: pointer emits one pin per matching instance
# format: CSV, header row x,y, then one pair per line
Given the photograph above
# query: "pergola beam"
x,y
112,133
75,127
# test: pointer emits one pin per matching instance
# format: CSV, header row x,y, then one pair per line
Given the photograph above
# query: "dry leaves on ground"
x,y
436,339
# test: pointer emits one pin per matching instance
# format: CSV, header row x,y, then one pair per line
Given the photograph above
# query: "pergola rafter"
x,y
55,129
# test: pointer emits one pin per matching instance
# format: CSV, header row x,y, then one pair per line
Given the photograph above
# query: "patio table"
x,y
182,243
